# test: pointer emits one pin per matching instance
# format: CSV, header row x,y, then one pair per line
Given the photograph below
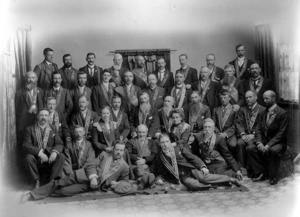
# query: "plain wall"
x,y
194,27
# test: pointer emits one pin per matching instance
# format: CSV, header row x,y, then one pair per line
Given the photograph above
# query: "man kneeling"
x,y
178,164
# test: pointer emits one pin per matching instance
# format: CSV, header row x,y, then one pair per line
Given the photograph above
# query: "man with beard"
x,y
129,93
64,104
80,90
69,74
190,74
208,89
212,149
216,73
84,117
42,148
45,69
147,115
102,93
165,77
108,172
196,113
140,73
270,141
257,83
178,165
142,152
241,63
180,92
164,114
28,101
93,72
120,117
117,71
248,119
155,92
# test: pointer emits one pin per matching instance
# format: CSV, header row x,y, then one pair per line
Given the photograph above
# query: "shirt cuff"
x,y
226,135
55,151
40,152
92,176
243,133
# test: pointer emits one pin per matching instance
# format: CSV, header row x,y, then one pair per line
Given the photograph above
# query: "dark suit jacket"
x,y
240,121
186,100
44,73
229,127
127,107
100,98
159,102
152,121
124,127
121,73
64,131
211,98
75,94
220,149
69,78
167,82
204,113
22,104
267,85
161,120
139,81
191,75
95,79
219,75
30,143
246,75
276,133
239,86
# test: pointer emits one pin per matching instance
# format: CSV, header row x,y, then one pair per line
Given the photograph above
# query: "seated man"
x,y
246,122
196,113
142,152
212,149
155,92
42,147
270,141
164,114
109,171
178,165
224,118
120,117
147,115
216,73
84,117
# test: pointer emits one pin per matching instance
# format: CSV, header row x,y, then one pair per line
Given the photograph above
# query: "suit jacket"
x,y
44,73
190,75
22,104
180,137
127,107
64,131
122,122
159,102
186,100
219,74
239,86
75,94
133,150
266,85
167,82
121,73
138,81
211,98
229,126
101,98
69,77
246,74
152,121
65,104
185,159
220,150
241,123
276,132
165,124
95,79
203,114
30,143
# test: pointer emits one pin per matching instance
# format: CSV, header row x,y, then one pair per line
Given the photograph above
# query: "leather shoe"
x,y
260,178
37,184
274,181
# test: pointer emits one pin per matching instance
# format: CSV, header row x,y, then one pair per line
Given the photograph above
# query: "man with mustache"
x,y
93,72
164,114
69,74
164,76
64,104
155,92
140,73
117,71
45,69
179,166
190,74
216,73
42,148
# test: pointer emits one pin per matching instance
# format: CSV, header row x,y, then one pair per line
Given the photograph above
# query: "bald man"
x,y
155,92
217,73
270,141
140,73
117,70
164,76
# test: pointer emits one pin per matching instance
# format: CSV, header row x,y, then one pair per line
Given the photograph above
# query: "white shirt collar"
x,y
81,88
56,88
184,67
84,112
91,67
48,63
241,58
181,85
254,106
128,86
272,108
162,71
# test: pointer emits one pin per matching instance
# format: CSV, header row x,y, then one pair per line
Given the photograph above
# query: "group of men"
x,y
97,129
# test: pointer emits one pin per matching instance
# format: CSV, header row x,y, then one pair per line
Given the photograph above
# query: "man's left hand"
x,y
188,86
140,161
239,175
52,157
223,135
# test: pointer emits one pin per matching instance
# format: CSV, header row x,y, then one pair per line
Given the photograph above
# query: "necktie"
x,y
161,76
91,71
224,111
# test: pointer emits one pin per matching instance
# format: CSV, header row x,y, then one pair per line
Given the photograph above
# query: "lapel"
x,y
166,76
219,112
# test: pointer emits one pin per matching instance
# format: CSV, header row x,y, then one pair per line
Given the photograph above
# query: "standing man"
x,y
264,156
140,73
69,74
241,63
117,71
165,77
190,74
155,92
93,72
216,73
45,69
